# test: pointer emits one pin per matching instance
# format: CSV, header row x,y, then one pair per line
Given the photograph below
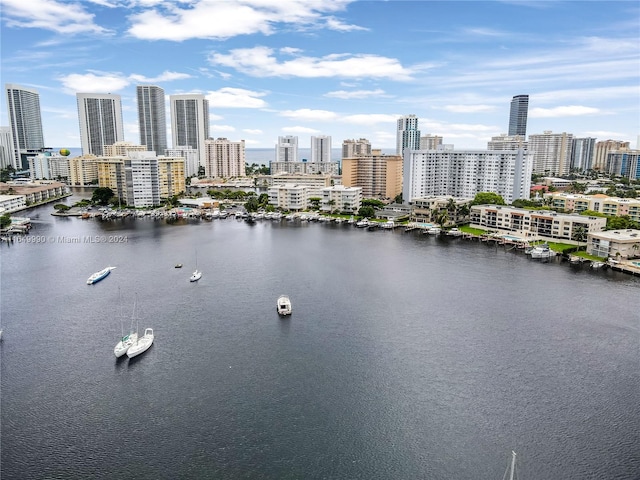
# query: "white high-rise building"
x,y
191,159
551,153
25,122
190,122
225,159
287,149
407,135
152,119
100,117
321,149
464,173
7,156
582,152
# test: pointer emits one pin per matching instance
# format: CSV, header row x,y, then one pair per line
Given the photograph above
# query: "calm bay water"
x,y
406,356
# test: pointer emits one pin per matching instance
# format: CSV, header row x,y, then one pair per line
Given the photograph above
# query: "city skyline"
x,y
345,69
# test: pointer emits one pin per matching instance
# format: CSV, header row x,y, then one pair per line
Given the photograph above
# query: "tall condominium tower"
x,y
225,158
100,116
582,152
408,135
355,148
190,122
551,153
6,148
321,148
603,148
152,118
287,149
518,115
25,121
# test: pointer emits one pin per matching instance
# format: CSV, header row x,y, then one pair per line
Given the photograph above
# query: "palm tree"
x,y
442,217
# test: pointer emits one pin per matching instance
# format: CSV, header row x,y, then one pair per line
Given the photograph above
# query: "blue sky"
x,y
343,68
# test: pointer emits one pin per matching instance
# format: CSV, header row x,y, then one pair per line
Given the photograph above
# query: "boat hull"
x,y
123,345
283,306
101,275
142,345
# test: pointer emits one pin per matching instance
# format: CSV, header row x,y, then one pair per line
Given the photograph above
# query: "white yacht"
x,y
542,251
142,344
283,305
195,276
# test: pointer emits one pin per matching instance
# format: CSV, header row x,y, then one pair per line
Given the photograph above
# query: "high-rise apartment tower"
x,y
407,135
25,121
518,115
190,123
100,117
152,118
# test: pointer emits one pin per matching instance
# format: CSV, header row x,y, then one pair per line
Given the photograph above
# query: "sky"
x,y
348,69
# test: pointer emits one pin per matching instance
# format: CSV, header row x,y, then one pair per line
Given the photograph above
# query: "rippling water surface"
x,y
406,356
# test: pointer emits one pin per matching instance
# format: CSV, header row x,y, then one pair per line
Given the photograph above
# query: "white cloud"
x,y
236,98
169,21
344,94
370,119
165,76
59,17
222,128
310,115
261,62
94,82
252,131
299,130
563,111
469,108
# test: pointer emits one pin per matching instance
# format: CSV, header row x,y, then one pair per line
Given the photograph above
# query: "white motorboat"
x,y
142,344
434,231
96,277
542,251
454,232
283,305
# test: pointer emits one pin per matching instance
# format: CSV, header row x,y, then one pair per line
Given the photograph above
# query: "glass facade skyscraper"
x,y
25,121
407,135
518,115
152,118
100,116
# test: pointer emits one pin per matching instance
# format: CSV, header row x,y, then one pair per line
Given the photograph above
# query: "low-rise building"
x,y
289,197
425,210
12,203
534,224
341,199
618,244
601,203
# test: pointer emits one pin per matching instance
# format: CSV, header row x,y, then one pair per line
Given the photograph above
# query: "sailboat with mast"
x,y
195,276
141,344
126,341
511,472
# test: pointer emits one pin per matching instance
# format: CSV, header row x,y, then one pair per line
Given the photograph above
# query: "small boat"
x,y
178,265
542,251
126,341
197,274
596,265
96,277
454,232
434,231
283,305
142,344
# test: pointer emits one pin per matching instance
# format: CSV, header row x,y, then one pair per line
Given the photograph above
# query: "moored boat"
x,y
96,277
283,305
142,344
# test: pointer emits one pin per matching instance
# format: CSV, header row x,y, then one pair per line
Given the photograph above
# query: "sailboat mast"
x,y
513,465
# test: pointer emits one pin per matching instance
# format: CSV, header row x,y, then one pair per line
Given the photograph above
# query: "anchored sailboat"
x,y
511,473
195,276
